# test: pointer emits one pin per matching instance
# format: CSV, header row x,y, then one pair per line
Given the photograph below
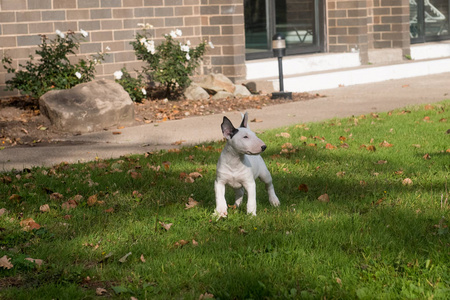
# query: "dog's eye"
x,y
245,137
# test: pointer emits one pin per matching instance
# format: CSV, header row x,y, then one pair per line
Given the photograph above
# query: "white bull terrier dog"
x,y
239,165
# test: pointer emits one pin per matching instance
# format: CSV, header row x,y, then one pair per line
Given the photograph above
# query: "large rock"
x,y
194,92
216,83
88,107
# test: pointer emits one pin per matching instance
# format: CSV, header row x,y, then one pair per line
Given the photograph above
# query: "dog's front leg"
x,y
250,187
238,196
221,202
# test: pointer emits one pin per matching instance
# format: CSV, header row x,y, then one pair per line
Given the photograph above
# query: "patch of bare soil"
x,y
21,122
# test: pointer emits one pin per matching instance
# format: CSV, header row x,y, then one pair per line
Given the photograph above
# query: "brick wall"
x,y
113,24
368,24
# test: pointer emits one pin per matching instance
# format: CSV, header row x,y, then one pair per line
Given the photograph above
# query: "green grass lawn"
x,y
382,235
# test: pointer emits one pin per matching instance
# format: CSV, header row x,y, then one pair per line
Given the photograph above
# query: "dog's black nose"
x,y
263,147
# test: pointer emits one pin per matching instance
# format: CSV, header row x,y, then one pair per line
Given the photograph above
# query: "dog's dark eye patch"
x,y
235,130
245,137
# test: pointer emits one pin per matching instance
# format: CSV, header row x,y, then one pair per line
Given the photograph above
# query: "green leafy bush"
x,y
170,63
135,87
53,69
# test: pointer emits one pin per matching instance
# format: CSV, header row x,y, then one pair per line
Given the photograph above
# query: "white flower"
x,y
140,24
107,48
188,42
144,91
178,32
118,75
143,40
61,35
184,48
211,45
188,57
145,26
84,33
78,74
150,46
173,34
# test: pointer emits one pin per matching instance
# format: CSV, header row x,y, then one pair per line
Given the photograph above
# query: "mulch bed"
x,y
21,122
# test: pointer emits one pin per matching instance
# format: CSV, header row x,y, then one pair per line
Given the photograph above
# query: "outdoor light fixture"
x,y
279,50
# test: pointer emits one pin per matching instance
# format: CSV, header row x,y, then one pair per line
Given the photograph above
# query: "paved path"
x,y
340,102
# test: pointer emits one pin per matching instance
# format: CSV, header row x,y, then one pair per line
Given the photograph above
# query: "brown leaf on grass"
x,y
312,145
342,138
135,175
56,196
386,144
44,208
29,224
109,210
37,261
6,179
426,119
76,198
284,134
166,165
429,107
189,180
15,197
69,204
443,120
399,172
303,188
116,132
303,138
67,217
381,162
287,146
179,142
136,194
324,198
191,203
142,258
3,211
5,262
124,258
426,156
195,175
100,291
407,181
165,226
180,243
92,200
194,243
206,296
340,174
330,146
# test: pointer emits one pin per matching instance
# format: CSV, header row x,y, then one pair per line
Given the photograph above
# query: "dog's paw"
x,y
274,201
219,214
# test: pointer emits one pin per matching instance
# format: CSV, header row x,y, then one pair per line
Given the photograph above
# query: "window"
x,y
300,21
429,20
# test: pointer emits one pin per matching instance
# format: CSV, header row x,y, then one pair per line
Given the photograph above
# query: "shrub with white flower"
x,y
52,69
135,87
169,63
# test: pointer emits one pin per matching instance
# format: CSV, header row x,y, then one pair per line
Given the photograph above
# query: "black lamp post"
x,y
279,50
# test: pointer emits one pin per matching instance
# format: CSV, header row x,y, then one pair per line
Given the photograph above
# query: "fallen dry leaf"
x,y
256,121
100,291
179,142
340,174
284,134
39,262
69,204
142,258
195,175
324,198
92,200
165,226
3,211
427,156
194,242
44,208
109,210
206,296
330,146
407,181
124,258
303,188
15,197
5,262
386,144
29,224
116,132
181,243
191,203
56,196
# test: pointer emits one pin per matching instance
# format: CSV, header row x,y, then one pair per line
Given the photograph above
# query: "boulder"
x,y
222,95
216,83
88,107
241,91
194,92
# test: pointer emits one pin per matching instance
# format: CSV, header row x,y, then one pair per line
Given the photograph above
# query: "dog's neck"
x,y
231,155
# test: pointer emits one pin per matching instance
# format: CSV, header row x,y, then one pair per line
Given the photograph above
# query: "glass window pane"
x,y
414,24
296,20
436,17
256,25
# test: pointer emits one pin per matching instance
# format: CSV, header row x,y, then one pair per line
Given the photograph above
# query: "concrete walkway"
x,y
339,102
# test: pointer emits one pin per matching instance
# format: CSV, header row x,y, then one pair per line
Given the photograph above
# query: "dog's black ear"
x,y
228,129
244,122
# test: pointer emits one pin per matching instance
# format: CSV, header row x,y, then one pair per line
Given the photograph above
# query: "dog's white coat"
x,y
239,165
